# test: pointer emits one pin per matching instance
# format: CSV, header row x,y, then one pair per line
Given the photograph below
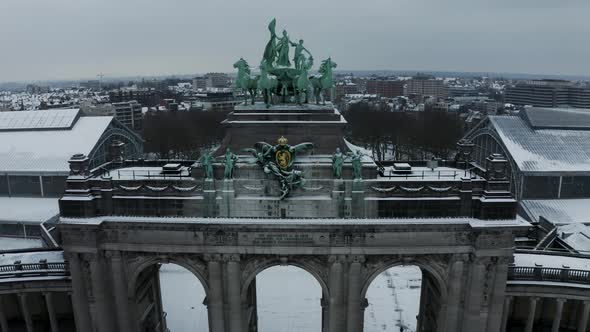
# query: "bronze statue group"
x,y
278,81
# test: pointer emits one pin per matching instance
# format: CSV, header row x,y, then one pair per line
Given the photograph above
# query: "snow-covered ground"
x,y
182,298
393,296
289,300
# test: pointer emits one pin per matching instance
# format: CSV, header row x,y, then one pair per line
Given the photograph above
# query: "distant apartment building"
x,y
346,88
386,88
211,80
129,114
200,83
145,97
91,84
212,100
548,93
462,91
426,86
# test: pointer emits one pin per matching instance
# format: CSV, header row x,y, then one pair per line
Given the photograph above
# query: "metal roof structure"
x,y
544,150
38,120
562,118
557,211
45,143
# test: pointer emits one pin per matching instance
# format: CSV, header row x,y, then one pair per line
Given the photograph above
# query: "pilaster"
x,y
354,307
80,299
215,301
456,283
472,319
234,288
336,313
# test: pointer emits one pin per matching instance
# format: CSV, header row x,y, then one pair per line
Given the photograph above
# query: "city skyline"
x,y
71,40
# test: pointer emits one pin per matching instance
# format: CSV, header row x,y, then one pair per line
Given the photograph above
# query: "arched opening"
x,y
170,297
285,298
183,298
402,298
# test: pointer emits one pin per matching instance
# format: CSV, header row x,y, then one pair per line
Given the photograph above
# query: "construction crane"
x,y
100,76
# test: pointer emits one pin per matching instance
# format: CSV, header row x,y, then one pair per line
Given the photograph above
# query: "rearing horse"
x,y
325,81
244,81
266,83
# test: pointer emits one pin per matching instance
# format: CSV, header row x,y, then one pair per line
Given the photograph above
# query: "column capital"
x,y
586,302
356,259
231,257
460,258
561,300
212,257
337,259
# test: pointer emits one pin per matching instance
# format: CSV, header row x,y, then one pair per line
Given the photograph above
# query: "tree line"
x,y
182,135
390,135
403,135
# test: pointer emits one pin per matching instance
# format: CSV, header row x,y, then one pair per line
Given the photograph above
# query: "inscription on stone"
x,y
282,239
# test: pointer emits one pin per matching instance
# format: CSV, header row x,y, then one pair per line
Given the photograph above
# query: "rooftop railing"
x,y
551,274
40,269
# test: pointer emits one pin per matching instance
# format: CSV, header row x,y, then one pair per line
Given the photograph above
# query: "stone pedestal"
x,y
358,199
338,194
210,198
321,124
228,193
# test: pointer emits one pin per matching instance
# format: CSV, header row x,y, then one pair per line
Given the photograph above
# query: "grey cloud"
x,y
79,38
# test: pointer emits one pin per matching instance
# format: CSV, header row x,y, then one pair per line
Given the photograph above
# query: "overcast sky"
x,y
60,39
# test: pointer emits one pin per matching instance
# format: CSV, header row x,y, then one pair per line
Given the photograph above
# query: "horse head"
x,y
242,65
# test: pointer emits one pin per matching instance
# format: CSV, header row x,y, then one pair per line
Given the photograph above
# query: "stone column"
x,y
472,320
3,321
497,293
456,282
51,311
234,296
24,307
506,312
531,318
215,296
583,321
124,317
336,312
79,295
103,308
325,316
364,305
354,307
557,319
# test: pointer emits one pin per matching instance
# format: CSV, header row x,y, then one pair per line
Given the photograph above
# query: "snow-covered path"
x,y
394,295
289,300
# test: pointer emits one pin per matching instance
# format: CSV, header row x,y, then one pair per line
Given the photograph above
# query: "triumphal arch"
x,y
285,188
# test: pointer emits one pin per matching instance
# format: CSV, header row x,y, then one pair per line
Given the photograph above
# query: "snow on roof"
x,y
472,222
556,261
15,243
31,257
49,150
543,150
45,119
558,118
575,235
33,210
558,211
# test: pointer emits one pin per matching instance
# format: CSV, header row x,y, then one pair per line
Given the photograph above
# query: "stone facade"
x,y
464,263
